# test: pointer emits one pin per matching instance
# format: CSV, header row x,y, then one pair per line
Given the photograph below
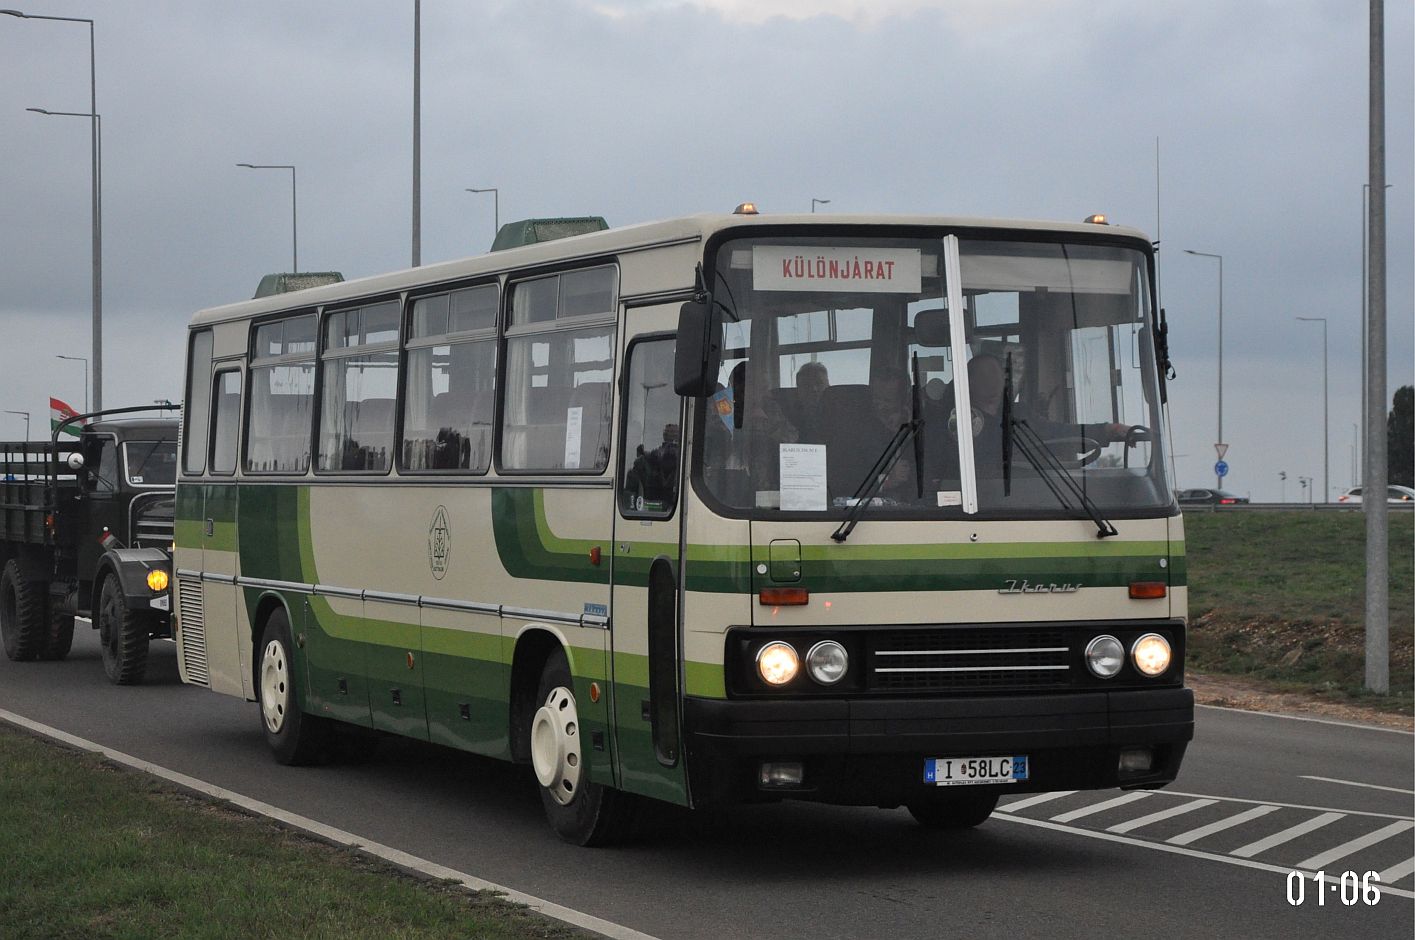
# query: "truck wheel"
x,y
123,635
581,812
296,738
59,638
23,609
953,811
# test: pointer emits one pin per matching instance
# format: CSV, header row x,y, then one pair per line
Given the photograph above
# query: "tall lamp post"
x,y
818,202
95,149
1206,254
85,362
25,415
1326,434
495,206
294,210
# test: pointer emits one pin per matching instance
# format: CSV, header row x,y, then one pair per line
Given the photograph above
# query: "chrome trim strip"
x,y
525,613
272,585
329,590
978,669
445,603
188,573
595,620
1016,649
386,597
219,578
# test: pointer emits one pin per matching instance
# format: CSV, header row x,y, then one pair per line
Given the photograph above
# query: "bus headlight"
x,y
827,662
777,663
1151,655
157,580
1104,656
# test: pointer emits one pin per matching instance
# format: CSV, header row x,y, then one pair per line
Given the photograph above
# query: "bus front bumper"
x,y
872,751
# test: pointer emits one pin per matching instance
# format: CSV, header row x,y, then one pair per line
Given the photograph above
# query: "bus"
x,y
868,510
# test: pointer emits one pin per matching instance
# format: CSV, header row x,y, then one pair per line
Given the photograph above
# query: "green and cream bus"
x,y
686,511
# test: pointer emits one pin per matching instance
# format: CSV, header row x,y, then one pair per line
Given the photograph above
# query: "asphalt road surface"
x,y
1209,856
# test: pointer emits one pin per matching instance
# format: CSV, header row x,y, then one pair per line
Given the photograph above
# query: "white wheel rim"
x,y
555,745
274,686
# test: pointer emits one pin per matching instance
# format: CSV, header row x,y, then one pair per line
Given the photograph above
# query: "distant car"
x,y
1394,494
1210,497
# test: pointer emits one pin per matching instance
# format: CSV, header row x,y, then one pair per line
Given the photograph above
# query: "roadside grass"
x,y
93,850
1280,596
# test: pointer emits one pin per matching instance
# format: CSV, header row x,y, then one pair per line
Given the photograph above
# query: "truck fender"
x,y
131,567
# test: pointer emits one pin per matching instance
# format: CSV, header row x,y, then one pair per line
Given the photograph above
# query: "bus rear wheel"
x,y
953,810
294,737
581,812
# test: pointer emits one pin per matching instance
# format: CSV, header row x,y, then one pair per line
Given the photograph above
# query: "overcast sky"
x,y
647,109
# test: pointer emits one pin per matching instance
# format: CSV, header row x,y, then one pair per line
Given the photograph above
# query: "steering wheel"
x,y
1086,449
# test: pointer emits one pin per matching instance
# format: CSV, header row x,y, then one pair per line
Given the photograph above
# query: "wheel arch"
x,y
534,646
266,605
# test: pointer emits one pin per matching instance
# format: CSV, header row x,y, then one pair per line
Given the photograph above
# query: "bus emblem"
x,y
1023,586
439,543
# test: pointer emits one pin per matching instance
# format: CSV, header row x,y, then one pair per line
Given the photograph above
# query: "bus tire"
x,y
580,812
59,638
122,635
294,737
953,810
23,612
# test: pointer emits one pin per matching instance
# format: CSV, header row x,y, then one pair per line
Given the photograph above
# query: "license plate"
x,y
973,771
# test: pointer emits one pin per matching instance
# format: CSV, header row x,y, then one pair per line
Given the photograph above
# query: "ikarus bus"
x,y
859,509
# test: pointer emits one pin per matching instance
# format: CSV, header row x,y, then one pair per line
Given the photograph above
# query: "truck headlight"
x,y
1104,656
827,662
157,580
778,663
1151,655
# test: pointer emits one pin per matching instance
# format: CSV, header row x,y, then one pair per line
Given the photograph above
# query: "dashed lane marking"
x,y
339,836
1353,783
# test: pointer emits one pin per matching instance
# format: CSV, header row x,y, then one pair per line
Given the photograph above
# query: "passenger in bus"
x,y
808,407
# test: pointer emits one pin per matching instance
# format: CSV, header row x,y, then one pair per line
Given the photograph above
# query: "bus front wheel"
x,y
581,812
294,737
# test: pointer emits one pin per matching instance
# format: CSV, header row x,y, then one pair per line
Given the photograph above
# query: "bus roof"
x,y
617,241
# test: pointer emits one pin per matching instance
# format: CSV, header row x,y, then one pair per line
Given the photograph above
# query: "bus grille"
x,y
969,659
193,631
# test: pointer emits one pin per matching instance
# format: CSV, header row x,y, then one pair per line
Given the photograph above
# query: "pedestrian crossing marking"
x,y
1287,835
1194,835
1161,815
1034,800
1094,808
1323,859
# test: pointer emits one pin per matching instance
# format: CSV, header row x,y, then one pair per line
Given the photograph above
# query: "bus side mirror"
x,y
699,351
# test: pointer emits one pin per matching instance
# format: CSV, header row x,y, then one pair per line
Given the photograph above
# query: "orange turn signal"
x,y
1148,590
784,597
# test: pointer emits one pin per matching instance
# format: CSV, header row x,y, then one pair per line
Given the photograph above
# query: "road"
x,y
1207,857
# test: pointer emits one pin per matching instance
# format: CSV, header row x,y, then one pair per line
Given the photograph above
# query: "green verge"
x,y
97,851
1280,596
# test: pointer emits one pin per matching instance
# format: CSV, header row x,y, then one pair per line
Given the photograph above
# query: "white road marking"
x,y
1397,872
1101,807
1316,721
1179,850
1320,809
1353,783
340,836
1287,835
1194,835
1162,815
1355,845
1034,800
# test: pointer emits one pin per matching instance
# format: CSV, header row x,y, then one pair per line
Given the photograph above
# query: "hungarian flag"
x,y
58,411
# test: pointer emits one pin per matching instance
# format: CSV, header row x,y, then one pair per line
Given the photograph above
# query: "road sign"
x,y
1221,469
1221,450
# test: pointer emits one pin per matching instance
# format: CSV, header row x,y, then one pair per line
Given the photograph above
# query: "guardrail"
x,y
1291,507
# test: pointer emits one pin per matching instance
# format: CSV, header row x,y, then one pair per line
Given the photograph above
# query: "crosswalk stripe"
x,y
1392,875
1034,800
1101,807
1194,835
1287,835
1162,815
1355,845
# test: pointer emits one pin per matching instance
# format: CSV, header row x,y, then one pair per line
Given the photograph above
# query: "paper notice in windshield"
x,y
847,270
803,478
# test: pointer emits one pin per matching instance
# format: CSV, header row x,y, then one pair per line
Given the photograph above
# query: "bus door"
x,y
646,634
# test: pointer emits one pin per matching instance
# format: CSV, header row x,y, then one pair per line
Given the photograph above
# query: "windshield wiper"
x,y
1007,427
873,480
1054,474
916,416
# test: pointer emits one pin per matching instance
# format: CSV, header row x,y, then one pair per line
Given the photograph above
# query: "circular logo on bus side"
x,y
439,543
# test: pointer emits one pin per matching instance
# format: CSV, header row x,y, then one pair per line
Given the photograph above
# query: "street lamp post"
x,y
495,206
417,133
25,415
1205,254
294,208
95,149
1326,435
818,202
85,362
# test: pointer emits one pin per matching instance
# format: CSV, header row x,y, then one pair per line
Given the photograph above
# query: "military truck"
x,y
86,531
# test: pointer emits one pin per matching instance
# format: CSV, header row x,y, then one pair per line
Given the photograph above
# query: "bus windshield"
x,y
836,348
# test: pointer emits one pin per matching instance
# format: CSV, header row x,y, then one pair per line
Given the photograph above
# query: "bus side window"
x,y
648,484
226,421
